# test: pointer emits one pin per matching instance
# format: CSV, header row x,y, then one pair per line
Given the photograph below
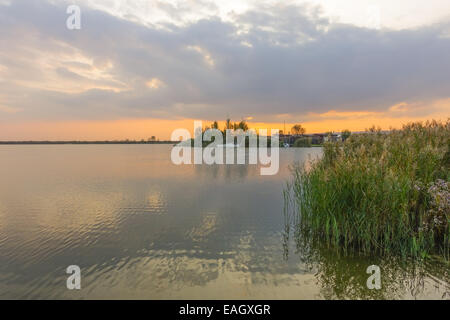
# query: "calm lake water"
x,y
140,227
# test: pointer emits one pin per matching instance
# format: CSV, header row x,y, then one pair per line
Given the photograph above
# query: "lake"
x,y
140,227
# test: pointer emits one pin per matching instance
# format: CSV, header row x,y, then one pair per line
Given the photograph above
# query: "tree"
x,y
228,124
215,125
243,125
235,125
298,129
345,134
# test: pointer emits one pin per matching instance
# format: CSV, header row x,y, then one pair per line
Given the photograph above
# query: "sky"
x,y
139,68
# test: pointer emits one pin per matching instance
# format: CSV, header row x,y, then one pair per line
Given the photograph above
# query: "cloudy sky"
x,y
141,68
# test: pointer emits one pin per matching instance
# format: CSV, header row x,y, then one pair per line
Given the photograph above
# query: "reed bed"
x,y
380,192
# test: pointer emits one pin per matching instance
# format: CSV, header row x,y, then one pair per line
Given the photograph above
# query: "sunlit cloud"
x,y
204,53
155,83
398,14
399,107
332,114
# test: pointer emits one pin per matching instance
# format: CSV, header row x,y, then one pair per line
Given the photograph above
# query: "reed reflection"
x,y
341,274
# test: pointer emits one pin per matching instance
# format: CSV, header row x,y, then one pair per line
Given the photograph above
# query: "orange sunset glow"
x,y
137,129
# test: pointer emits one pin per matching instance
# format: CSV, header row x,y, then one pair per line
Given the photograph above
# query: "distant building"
x,y
316,138
334,137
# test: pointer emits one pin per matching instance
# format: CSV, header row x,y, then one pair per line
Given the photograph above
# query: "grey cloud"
x,y
299,62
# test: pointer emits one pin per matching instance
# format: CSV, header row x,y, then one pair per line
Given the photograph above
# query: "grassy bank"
x,y
380,192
